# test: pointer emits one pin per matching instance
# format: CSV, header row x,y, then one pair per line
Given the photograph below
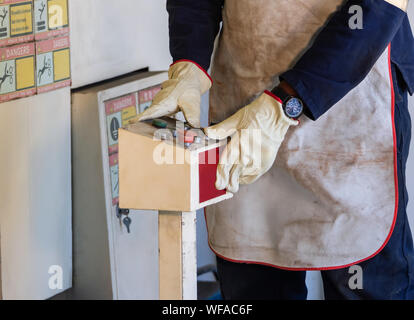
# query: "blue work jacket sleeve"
x,y
193,27
341,55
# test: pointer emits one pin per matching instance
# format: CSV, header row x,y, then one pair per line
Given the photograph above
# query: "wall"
x,y
110,38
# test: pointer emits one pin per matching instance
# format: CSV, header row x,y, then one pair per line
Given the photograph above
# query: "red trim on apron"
x,y
396,200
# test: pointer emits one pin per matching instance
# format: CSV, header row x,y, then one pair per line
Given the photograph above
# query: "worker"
x,y
326,84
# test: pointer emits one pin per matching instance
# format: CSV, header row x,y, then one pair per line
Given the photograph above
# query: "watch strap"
x,y
282,94
285,97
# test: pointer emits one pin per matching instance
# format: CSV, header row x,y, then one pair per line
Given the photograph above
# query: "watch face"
x,y
294,108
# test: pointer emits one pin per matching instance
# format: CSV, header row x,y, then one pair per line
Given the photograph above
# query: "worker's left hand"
x,y
257,132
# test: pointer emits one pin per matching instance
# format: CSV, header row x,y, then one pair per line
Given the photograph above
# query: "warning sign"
x,y
24,73
114,184
21,19
44,63
51,18
7,76
17,71
61,62
118,112
4,22
113,124
146,96
16,22
53,64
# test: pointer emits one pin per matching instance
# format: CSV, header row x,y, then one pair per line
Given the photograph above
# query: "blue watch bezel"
x,y
285,98
285,107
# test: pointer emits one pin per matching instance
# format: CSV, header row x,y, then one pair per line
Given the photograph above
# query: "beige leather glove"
x,y
186,83
402,4
257,132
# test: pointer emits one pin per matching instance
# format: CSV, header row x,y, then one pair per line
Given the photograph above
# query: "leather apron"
x,y
330,199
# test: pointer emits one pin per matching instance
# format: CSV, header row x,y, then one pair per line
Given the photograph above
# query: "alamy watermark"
x,y
56,15
56,278
356,281
242,142
356,22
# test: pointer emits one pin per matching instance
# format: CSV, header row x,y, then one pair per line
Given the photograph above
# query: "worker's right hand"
x,y
186,83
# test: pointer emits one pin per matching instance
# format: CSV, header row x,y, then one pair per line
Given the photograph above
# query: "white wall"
x,y
110,38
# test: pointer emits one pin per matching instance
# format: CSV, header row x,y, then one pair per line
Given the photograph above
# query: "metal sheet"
x,y
35,195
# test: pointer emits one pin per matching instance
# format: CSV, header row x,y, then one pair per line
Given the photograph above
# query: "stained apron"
x,y
330,199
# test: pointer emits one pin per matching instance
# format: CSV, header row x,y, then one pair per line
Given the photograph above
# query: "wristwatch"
x,y
292,106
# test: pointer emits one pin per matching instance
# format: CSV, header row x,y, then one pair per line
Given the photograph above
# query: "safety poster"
x,y
118,112
17,65
51,18
16,21
53,64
